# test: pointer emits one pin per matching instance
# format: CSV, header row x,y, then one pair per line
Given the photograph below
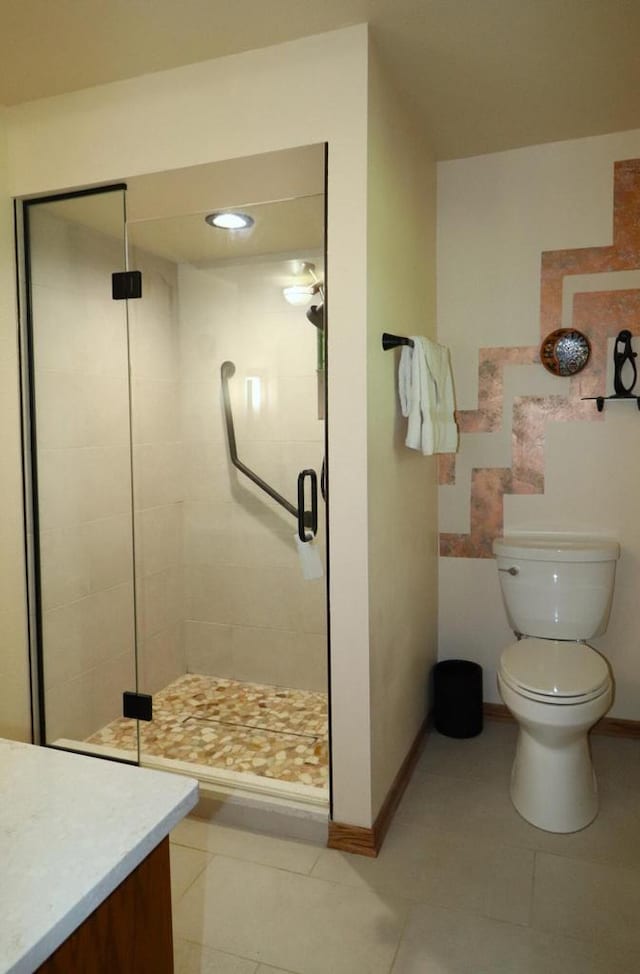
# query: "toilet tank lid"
x,y
543,547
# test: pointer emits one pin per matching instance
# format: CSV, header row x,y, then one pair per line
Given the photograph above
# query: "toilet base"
x,y
553,784
568,801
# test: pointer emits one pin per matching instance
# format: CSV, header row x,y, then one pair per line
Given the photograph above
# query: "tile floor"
x,y
462,886
269,731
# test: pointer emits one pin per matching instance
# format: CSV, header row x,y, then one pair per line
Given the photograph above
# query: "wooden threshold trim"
x,y
497,711
617,727
609,726
363,841
352,838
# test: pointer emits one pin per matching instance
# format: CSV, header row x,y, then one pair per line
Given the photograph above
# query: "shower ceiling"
x,y
284,226
166,210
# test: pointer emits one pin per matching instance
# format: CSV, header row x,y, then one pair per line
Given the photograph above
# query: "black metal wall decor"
x,y
623,354
625,373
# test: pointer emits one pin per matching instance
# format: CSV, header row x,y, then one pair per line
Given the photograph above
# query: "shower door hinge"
x,y
139,706
126,285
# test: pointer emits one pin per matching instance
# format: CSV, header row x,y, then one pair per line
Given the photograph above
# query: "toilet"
x,y
557,593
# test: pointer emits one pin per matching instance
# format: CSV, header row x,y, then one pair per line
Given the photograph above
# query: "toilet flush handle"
x,y
510,571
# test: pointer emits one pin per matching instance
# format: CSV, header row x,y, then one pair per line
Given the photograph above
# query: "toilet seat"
x,y
554,671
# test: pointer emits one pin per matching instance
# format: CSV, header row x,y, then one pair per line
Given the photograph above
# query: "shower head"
x,y
315,315
300,294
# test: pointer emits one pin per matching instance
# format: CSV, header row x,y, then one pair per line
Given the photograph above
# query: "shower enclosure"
x,y
167,560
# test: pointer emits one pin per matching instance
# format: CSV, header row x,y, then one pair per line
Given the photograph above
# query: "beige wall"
x,y
15,718
403,581
249,613
191,115
496,214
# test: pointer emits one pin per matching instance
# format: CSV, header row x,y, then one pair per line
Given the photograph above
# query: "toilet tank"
x,y
555,586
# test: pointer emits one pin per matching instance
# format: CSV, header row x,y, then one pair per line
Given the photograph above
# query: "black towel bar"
x,y
395,341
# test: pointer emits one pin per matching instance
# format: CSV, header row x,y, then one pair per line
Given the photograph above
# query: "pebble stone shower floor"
x,y
274,732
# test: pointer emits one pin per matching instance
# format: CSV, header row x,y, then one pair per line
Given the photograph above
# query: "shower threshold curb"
x,y
216,781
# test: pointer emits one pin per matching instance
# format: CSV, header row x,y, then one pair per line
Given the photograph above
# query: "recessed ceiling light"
x,y
228,220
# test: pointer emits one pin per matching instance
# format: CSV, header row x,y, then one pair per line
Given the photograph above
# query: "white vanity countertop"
x,y
71,829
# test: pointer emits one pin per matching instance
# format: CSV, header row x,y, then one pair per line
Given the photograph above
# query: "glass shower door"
x,y
232,636
83,549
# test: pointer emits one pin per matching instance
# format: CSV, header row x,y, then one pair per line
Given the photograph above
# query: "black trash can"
x,y
457,691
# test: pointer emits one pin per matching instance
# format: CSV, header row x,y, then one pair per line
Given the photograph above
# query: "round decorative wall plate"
x,y
565,351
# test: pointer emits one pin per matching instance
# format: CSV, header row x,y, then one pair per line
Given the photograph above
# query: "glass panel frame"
x,y
74,360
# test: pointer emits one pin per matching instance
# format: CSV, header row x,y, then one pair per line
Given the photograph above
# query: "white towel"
x,y
425,387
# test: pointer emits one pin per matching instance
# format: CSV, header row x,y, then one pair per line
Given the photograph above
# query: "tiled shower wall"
x,y
249,613
530,241
242,611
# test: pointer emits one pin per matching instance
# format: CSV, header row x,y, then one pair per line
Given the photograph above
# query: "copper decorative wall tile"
x,y
626,208
488,486
531,415
487,418
558,264
446,469
600,315
623,255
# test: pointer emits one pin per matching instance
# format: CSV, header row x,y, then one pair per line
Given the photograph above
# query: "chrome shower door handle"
x,y
307,519
510,571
